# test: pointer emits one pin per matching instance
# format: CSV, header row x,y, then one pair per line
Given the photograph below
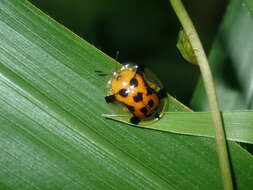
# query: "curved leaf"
x,y
53,136
231,61
238,124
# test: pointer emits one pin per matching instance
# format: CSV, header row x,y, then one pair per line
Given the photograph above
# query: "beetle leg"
x,y
140,69
135,120
110,99
157,115
162,93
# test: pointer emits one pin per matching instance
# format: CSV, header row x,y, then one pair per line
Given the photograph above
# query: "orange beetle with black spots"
x,y
129,88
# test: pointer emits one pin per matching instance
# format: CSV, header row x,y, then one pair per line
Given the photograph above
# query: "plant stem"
x,y
221,145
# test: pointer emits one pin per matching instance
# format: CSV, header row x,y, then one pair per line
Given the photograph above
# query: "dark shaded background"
x,y
143,31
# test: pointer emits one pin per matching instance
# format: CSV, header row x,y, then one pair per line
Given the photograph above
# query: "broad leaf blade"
x,y
249,4
52,132
231,61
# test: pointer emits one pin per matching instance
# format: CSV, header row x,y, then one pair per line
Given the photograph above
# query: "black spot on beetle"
x,y
130,108
138,97
123,92
151,103
134,82
144,110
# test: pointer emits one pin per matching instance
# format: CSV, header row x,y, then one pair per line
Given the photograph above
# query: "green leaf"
x,y
231,61
249,4
238,124
53,136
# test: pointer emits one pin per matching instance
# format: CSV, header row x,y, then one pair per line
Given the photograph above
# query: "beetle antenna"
x,y
117,55
102,73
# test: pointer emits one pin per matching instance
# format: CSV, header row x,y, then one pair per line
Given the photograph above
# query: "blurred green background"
x,y
143,31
